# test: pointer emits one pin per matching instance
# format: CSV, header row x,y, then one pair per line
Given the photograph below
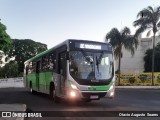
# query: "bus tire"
x,y
53,95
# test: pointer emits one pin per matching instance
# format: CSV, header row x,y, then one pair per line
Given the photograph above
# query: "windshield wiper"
x,y
97,63
88,59
100,57
98,60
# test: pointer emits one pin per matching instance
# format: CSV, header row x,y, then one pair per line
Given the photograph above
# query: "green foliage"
x,y
143,78
25,49
4,38
119,40
148,59
132,80
148,19
1,56
9,70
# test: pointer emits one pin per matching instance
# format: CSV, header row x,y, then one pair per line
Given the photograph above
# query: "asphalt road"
x,y
125,100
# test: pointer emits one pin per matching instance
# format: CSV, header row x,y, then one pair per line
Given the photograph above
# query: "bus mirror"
x,y
67,55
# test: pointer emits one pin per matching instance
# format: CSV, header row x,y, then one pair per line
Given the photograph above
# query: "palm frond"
x,y
145,13
138,22
139,31
148,33
125,31
122,39
158,24
130,43
158,9
148,22
150,9
114,36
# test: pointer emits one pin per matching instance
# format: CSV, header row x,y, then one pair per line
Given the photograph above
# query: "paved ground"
x,y
125,100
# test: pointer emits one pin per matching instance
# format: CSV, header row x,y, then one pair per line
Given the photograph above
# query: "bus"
x,y
73,70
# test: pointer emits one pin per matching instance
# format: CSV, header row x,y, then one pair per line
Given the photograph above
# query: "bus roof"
x,y
63,43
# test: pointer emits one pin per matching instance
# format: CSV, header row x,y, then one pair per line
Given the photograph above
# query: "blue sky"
x,y
53,21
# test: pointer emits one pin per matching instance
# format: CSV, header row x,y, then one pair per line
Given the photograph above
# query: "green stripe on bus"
x,y
100,88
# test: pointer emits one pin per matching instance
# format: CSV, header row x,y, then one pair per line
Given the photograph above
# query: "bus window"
x,y
52,62
33,66
44,63
30,67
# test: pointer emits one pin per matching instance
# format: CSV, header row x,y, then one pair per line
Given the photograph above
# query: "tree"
x,y
25,49
1,56
148,19
120,40
148,59
9,70
4,40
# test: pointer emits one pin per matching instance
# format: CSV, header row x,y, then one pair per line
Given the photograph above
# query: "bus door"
x,y
37,74
62,71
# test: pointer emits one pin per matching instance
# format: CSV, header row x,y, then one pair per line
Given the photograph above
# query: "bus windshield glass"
x,y
91,65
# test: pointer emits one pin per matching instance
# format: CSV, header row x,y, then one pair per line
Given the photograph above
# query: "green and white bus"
x,y
73,70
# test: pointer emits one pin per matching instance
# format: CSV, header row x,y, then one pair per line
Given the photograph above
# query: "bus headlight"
x,y
72,94
112,94
74,87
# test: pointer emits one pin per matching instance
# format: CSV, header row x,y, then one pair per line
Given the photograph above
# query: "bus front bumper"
x,y
89,95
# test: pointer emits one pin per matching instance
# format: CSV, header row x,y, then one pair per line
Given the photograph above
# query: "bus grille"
x,y
87,95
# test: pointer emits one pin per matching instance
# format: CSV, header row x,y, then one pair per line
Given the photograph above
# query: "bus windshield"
x,y
91,65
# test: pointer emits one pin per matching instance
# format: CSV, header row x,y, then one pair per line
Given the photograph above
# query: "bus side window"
x,y
52,61
44,63
30,67
33,66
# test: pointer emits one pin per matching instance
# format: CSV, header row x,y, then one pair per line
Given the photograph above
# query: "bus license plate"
x,y
94,97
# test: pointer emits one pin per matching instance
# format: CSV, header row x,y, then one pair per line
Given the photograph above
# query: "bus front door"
x,y
62,70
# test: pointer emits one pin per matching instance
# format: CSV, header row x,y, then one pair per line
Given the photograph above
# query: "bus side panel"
x,y
42,82
48,76
32,78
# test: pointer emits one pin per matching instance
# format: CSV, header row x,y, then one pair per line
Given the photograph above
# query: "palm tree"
x,y
120,40
148,19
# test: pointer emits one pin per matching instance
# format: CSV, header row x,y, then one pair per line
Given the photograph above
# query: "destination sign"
x,y
90,46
